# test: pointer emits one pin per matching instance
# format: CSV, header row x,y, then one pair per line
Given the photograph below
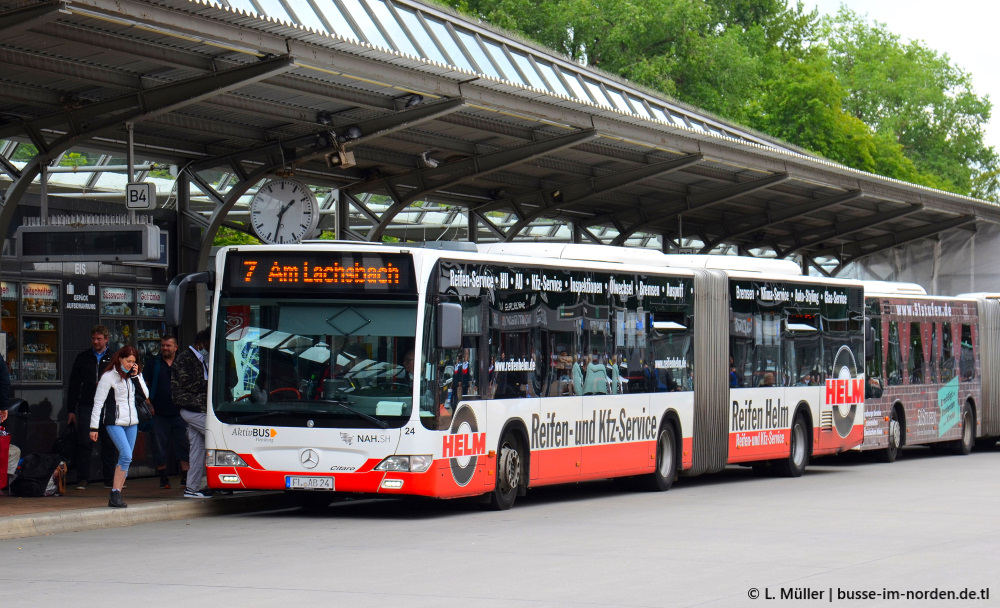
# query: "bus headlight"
x,y
406,464
223,458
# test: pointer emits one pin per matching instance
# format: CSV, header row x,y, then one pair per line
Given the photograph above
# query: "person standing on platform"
x,y
189,389
168,426
83,378
114,407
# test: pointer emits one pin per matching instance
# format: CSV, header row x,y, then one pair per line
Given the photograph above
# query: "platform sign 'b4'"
x,y
140,196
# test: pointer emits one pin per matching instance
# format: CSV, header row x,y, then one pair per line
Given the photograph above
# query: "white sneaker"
x,y
199,494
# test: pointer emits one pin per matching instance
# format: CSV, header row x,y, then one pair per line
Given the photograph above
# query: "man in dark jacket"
x,y
189,388
87,369
169,429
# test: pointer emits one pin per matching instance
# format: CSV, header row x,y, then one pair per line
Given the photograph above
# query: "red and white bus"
x,y
484,371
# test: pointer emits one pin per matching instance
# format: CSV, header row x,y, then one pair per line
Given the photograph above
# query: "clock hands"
x,y
281,212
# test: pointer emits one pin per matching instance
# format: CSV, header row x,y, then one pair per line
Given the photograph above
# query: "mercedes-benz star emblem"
x,y
309,459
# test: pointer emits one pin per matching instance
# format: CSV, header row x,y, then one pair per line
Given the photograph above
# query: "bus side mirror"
x,y
449,325
178,288
869,340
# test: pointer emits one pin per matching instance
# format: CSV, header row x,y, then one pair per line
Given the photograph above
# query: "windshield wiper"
x,y
380,423
255,416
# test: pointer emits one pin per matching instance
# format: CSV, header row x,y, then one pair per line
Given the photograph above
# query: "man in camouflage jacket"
x,y
189,388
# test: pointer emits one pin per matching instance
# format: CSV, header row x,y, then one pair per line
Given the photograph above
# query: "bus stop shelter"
x,y
415,123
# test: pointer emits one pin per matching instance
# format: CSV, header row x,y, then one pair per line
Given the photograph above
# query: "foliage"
x,y
231,236
840,86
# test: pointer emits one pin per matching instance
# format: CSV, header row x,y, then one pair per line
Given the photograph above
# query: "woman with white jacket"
x,y
116,392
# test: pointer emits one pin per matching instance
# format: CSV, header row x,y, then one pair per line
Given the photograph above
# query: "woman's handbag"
x,y
141,409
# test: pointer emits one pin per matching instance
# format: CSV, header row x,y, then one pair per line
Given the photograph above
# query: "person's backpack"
x,y
36,472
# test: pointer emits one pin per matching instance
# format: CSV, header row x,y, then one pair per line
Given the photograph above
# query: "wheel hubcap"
x,y
665,454
967,431
798,444
893,433
510,468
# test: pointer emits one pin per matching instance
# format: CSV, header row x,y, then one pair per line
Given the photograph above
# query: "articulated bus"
x,y
460,371
932,369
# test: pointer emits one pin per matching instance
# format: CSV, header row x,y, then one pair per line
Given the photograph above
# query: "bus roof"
x,y
644,257
893,289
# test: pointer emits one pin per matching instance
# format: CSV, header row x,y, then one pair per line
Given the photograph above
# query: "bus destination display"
x,y
315,271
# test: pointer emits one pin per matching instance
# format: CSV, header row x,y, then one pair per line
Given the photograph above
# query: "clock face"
x,y
284,211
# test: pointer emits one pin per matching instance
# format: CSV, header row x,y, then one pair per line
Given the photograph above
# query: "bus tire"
x,y
963,446
798,450
663,476
890,453
510,469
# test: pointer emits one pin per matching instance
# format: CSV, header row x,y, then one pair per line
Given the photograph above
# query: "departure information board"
x,y
319,271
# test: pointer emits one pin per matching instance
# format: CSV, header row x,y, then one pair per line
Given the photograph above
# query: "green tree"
x,y
913,96
231,236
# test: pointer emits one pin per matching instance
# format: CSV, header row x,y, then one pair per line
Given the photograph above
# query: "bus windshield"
x,y
325,363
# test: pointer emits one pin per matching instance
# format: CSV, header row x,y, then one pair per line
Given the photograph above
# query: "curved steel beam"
x,y
570,194
450,174
97,118
850,227
692,202
755,223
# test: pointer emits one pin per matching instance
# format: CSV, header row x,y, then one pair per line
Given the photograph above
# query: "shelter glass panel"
x,y
618,100
639,106
529,71
412,23
552,77
574,83
388,21
450,46
243,5
597,93
500,58
307,16
274,9
472,45
341,26
369,30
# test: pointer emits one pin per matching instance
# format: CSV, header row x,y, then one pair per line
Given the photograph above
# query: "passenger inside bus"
x,y
596,380
735,378
767,380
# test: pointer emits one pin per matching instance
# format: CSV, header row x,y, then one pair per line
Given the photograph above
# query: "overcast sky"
x,y
966,30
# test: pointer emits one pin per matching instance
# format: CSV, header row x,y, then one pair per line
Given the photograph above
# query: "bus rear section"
x,y
926,372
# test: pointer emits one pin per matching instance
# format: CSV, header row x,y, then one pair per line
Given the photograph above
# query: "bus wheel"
x,y
964,445
890,453
798,456
508,474
662,478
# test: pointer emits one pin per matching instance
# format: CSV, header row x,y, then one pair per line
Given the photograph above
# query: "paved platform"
x,y
88,509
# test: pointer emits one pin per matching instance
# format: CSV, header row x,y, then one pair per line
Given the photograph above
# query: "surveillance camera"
x,y
428,162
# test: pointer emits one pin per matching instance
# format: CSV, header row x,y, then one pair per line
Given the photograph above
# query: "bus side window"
x,y
894,362
915,362
947,368
968,361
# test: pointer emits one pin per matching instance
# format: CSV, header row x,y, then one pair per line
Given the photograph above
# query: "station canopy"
x,y
410,121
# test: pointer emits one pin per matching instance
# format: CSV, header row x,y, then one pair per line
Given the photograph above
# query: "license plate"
x,y
308,483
